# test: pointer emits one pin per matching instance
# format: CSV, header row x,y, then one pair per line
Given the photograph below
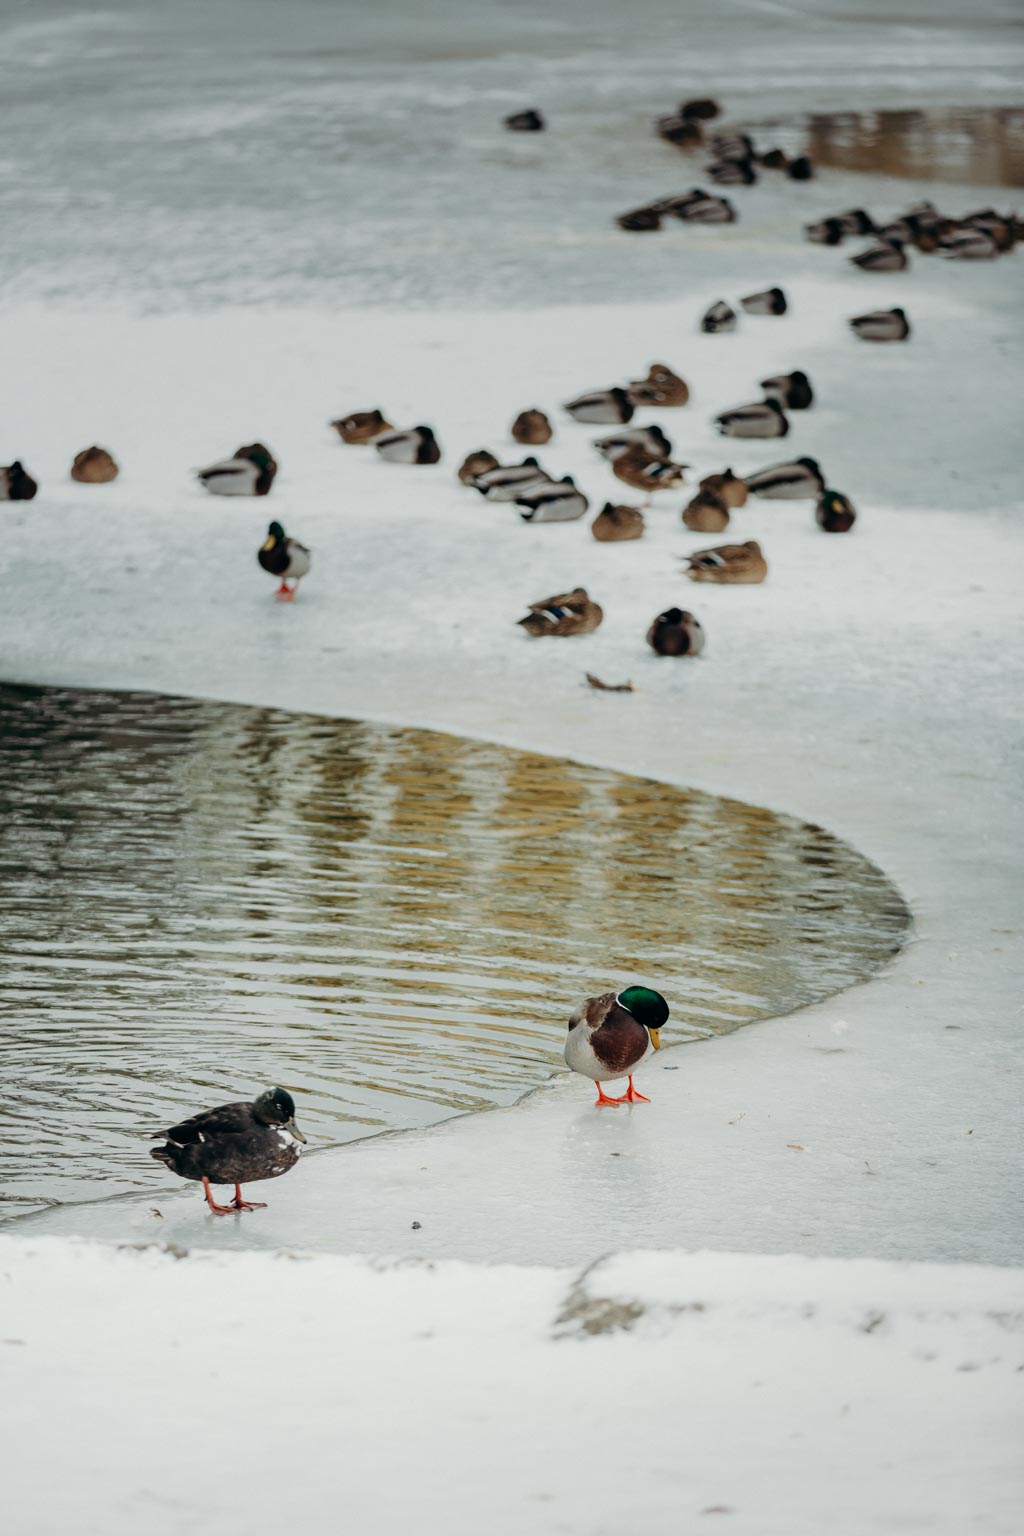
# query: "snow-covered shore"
x,y
145,1390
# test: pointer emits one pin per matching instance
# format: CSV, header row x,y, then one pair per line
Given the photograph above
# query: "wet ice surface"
x,y
202,899
338,153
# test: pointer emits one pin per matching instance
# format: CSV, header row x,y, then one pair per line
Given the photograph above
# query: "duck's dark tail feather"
x,y
162,1154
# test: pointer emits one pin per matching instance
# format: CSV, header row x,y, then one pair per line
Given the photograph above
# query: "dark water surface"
x,y
200,899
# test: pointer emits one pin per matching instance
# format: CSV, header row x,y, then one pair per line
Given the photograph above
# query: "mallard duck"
x,y
881,325
361,426
732,173
661,387
683,132
886,256
732,146
651,439
774,159
16,484
504,481
639,219
720,317
553,501
728,487
676,633
855,221
567,613
531,427
796,480
284,557
475,464
792,390
999,228
644,473
764,418
678,202
235,1144
614,524
835,512
609,1036
94,466
729,564
701,107
967,243
705,209
529,121
249,472
771,302
825,232
604,406
800,168
706,513
414,445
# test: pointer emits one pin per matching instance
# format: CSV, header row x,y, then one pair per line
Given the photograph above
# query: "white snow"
x,y
653,1393
872,685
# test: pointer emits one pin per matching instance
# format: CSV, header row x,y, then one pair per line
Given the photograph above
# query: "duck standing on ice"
x,y
609,1036
284,557
235,1144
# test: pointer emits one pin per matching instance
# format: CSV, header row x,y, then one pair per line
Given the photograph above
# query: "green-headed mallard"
x,y
835,512
611,407
414,445
609,1036
551,501
249,472
792,390
881,325
676,633
94,466
235,1144
796,480
16,484
286,558
764,418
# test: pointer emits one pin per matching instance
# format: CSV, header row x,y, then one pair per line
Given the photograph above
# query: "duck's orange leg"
x,y
238,1204
284,593
218,1210
631,1096
602,1097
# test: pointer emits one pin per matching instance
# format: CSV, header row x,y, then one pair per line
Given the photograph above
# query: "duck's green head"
x,y
275,535
277,1107
647,1007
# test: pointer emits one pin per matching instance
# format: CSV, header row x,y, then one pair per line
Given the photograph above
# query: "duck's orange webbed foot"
x,y
631,1096
218,1210
602,1097
238,1204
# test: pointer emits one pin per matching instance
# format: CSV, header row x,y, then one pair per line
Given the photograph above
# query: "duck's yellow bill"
x,y
291,1126
655,1035
269,543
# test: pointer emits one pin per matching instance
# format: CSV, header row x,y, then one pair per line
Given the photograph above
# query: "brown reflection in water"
x,y
983,146
201,899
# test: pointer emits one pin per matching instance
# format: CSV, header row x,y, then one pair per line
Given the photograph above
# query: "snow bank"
x,y
648,1393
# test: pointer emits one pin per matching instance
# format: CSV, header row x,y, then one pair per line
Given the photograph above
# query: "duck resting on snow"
x,y
249,472
284,557
567,613
609,1036
235,1144
728,564
16,484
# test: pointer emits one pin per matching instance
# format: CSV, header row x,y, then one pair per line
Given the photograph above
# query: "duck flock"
x,y
641,456
611,1035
